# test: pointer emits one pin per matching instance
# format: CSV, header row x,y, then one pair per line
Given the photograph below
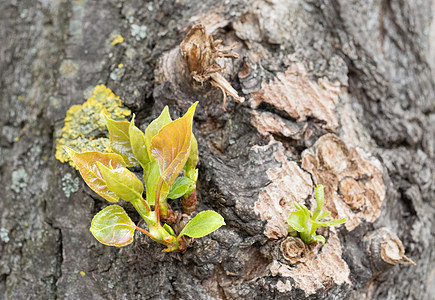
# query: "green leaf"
x,y
190,190
154,128
322,215
318,238
86,163
113,227
138,145
330,223
120,140
151,176
180,187
122,182
171,146
192,160
303,208
202,224
319,195
292,232
298,221
169,229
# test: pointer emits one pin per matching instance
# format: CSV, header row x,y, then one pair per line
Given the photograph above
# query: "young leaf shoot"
x,y
305,223
164,150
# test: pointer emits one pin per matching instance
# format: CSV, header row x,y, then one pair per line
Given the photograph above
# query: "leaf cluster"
x,y
306,223
164,150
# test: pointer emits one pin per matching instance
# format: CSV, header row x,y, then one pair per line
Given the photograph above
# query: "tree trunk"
x,y
337,92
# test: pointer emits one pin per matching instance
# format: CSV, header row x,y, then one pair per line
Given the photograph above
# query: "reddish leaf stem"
x,y
146,204
144,231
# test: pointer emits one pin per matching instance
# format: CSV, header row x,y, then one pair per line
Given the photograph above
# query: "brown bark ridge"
x,y
337,92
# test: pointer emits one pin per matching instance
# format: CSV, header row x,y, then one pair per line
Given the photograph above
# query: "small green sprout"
x,y
306,223
165,149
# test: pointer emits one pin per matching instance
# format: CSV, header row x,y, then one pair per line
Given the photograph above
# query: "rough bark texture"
x,y
337,92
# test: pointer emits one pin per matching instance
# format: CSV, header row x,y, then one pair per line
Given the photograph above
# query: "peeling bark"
x,y
355,188
294,93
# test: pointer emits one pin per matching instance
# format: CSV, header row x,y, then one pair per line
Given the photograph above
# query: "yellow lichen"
x,y
120,66
85,126
116,39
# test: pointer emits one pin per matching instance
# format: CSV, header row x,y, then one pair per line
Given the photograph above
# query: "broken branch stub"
x,y
386,250
200,51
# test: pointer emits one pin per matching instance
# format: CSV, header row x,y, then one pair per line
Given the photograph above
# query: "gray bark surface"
x,y
372,58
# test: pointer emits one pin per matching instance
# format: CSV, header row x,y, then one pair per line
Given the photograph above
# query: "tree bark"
x,y
339,93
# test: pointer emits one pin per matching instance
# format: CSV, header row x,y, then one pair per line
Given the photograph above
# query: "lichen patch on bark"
x,y
85,126
354,188
294,93
289,183
316,272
